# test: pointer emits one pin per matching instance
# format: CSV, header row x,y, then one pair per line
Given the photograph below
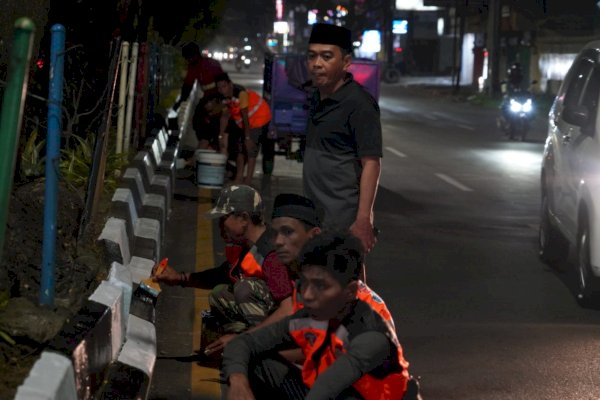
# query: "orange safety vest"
x,y
249,265
259,113
322,347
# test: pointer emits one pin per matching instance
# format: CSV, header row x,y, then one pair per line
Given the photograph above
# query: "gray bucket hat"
x,y
237,198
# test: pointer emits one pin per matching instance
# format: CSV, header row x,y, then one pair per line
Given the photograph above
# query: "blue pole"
x,y
57,61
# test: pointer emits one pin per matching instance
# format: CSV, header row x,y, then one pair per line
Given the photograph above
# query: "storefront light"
x,y
414,5
371,41
281,27
312,16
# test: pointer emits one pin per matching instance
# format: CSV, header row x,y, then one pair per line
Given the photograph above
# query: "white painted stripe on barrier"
x,y
139,349
140,268
147,228
147,199
51,378
115,231
112,296
120,276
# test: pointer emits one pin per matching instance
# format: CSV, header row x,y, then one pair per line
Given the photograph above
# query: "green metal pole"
x,y
12,111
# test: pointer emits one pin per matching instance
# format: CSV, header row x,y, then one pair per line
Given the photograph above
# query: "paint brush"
x,y
148,286
145,296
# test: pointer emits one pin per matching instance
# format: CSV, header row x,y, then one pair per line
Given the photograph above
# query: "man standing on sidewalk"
x,y
342,160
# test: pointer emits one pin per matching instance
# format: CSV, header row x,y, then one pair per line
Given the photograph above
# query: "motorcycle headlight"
x,y
528,106
515,106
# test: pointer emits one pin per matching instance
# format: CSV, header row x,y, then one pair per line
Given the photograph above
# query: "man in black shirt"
x,y
342,160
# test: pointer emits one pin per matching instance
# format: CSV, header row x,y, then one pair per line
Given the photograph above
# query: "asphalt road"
x,y
479,316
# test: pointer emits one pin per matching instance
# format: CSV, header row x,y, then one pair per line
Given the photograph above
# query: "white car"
x,y
570,178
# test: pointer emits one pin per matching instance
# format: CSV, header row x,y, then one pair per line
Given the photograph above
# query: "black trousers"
x,y
273,377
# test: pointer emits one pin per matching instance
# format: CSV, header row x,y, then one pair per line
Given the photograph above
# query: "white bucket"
x,y
210,169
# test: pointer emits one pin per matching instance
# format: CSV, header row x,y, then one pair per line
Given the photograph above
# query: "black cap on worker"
x,y
295,206
331,34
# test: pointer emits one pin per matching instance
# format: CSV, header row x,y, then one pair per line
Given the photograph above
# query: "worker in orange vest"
x,y
254,282
251,115
344,329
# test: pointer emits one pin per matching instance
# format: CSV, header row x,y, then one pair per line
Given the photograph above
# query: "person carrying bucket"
x,y
251,115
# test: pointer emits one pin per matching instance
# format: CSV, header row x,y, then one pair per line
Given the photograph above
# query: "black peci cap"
x,y
331,34
295,206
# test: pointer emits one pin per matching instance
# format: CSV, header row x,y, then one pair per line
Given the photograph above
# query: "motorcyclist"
x,y
513,82
515,77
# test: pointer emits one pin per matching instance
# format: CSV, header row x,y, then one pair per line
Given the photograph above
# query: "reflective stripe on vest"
x,y
249,266
252,264
252,111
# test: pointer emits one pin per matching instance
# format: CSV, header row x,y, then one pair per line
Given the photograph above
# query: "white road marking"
x,y
396,152
469,127
454,182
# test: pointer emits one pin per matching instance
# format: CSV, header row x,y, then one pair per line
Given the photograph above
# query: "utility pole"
x,y
390,73
493,45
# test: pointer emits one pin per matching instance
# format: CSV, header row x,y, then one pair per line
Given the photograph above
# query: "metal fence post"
x,y
12,112
57,62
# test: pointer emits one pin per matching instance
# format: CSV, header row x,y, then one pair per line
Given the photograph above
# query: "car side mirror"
x,y
576,115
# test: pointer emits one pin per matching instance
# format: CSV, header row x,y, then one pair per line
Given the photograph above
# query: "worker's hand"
x,y
363,230
239,388
218,345
168,276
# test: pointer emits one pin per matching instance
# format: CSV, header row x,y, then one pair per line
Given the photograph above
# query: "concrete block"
x,y
162,165
153,181
148,205
140,268
112,296
139,349
116,241
124,382
86,339
147,193
120,276
146,232
51,378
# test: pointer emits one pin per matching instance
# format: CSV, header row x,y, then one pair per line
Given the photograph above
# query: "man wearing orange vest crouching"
x,y
344,329
254,283
251,115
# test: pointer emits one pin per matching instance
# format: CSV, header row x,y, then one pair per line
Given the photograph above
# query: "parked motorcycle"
x,y
516,114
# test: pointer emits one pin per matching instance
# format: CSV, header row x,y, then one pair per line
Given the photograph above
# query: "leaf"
x,y
7,338
4,297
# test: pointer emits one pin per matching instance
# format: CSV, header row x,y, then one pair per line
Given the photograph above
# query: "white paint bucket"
x,y
210,169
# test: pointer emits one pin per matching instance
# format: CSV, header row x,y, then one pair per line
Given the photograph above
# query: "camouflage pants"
x,y
241,305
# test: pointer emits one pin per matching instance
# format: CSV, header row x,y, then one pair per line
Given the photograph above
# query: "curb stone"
x,y
108,349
